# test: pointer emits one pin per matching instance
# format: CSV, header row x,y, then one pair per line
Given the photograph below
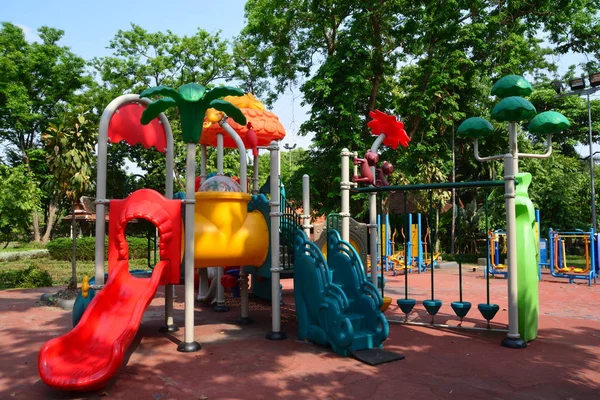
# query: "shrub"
x,y
30,277
62,248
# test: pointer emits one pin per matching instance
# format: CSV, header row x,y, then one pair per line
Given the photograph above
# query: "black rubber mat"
x,y
376,356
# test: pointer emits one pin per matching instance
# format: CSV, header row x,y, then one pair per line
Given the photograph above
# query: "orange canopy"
x,y
264,123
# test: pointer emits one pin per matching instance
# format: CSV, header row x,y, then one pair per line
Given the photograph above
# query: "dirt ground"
x,y
239,363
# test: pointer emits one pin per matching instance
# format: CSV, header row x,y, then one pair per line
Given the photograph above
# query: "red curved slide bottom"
x,y
89,355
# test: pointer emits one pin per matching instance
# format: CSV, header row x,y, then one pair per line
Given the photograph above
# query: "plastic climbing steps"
x,y
288,227
335,304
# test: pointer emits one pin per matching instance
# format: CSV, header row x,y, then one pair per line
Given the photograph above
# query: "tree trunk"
x,y
36,226
73,283
52,208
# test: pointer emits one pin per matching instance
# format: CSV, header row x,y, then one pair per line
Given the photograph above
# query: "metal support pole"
x,y
373,216
345,185
373,235
189,345
306,205
255,188
275,215
220,304
513,339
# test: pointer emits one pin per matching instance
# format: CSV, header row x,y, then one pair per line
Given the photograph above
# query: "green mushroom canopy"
x,y
511,85
513,109
475,127
549,122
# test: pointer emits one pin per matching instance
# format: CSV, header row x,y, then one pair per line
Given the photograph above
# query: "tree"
x,y
19,196
36,79
70,145
427,61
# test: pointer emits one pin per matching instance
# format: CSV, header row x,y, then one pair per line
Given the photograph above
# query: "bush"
x,y
466,258
30,277
62,248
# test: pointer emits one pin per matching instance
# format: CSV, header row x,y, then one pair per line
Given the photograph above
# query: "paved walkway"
x,y
238,363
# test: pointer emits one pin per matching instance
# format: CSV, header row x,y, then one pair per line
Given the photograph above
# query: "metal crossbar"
x,y
426,186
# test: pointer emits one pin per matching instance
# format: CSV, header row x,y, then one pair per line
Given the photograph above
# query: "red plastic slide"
x,y
89,355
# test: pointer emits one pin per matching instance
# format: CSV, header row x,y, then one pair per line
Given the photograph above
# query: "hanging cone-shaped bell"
x,y
406,305
461,308
488,311
432,306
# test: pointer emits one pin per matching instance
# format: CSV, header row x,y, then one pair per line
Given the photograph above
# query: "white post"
x,y
243,282
220,305
373,235
306,205
169,162
373,216
202,163
345,186
189,345
219,154
255,176
513,339
275,215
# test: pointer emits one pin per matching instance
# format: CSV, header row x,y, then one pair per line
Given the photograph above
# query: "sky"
x,y
90,25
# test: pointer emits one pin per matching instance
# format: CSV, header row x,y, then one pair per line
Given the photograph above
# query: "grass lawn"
x,y
18,246
60,271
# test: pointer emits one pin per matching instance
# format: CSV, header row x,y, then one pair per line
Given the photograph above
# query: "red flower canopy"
x,y
391,127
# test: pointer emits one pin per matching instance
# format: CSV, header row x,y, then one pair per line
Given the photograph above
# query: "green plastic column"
x,y
526,259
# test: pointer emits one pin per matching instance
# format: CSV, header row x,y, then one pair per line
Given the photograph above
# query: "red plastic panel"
x,y
152,206
88,356
125,125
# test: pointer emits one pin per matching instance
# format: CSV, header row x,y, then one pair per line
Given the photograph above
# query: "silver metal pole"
x,y
275,215
220,305
345,185
255,188
373,217
189,345
592,186
169,163
513,339
203,162
306,205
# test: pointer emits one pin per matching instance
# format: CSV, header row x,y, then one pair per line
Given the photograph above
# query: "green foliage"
x,y
433,65
19,196
30,277
61,248
36,79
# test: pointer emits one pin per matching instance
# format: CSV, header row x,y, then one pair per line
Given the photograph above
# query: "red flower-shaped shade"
x,y
391,127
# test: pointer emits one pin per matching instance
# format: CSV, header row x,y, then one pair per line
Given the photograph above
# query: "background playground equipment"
x,y
496,245
497,248
560,267
413,253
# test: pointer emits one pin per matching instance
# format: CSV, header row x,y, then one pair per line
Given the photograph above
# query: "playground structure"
x,y
224,227
496,242
559,266
336,304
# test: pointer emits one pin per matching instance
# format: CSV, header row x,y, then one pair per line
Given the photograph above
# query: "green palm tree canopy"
x,y
192,100
513,109
549,122
511,85
475,127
